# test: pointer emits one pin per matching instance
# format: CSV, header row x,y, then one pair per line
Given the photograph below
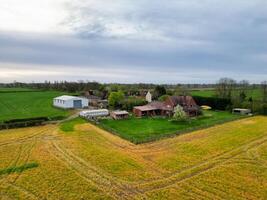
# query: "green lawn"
x,y
140,130
18,105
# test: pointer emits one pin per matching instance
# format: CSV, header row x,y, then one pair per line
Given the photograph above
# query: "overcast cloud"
x,y
133,41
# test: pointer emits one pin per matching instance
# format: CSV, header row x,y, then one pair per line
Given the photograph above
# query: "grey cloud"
x,y
186,38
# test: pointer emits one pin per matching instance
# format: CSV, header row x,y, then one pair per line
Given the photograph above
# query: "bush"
x,y
179,114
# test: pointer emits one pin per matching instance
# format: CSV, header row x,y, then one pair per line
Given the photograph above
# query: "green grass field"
x,y
18,105
17,90
140,130
256,94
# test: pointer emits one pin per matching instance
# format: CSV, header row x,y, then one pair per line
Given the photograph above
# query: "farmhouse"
x,y
187,102
166,108
119,114
152,109
68,102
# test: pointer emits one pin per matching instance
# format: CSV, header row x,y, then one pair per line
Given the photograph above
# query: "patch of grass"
x,y
20,105
18,169
68,126
139,130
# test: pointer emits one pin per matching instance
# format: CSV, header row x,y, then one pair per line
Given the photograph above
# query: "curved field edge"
x,y
222,162
143,130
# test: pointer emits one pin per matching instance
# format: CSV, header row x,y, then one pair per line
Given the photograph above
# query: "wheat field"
x,y
227,161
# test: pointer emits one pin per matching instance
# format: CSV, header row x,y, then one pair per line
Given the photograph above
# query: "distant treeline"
x,y
228,93
88,85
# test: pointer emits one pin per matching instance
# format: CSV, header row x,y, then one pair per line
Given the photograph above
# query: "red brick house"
x,y
166,108
153,109
187,102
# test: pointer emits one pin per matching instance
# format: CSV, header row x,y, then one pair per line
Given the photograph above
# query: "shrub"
x,y
128,104
214,102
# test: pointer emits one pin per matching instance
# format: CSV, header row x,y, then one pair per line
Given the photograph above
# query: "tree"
x,y
179,114
159,91
163,97
115,99
243,88
242,96
225,88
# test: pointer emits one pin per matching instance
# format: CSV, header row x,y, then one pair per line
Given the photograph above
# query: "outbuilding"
x,y
119,114
94,113
241,111
68,102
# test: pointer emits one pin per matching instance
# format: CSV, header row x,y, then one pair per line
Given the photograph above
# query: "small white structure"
x,y
94,113
149,97
68,102
241,111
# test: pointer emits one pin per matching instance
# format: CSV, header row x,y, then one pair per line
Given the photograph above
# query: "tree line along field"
x,y
222,162
140,130
21,103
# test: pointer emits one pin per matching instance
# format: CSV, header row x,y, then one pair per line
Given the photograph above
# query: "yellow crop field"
x,y
227,161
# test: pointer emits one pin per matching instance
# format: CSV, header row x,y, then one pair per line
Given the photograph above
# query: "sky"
x,y
125,41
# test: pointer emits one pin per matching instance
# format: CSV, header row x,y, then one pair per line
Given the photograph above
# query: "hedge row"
x,y
19,123
214,102
26,120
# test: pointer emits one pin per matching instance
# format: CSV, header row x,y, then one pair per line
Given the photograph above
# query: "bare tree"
x,y
225,88
243,90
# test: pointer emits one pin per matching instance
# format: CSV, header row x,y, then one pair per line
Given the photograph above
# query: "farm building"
x,y
119,114
152,109
166,108
94,113
68,102
149,97
241,111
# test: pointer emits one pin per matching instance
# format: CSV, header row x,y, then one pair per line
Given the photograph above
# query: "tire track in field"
x,y
200,192
255,155
22,190
25,149
23,157
108,184
199,168
26,158
24,138
13,162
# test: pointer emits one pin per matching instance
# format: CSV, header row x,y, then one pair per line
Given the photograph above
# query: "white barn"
x,y
68,102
